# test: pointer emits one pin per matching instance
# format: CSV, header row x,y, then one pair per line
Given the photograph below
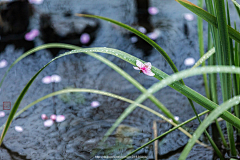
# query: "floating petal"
x,y
36,1
3,63
60,118
18,129
47,80
153,10
44,117
134,39
189,61
188,16
142,29
85,38
2,114
139,64
31,35
53,117
48,123
95,104
154,35
176,118
55,78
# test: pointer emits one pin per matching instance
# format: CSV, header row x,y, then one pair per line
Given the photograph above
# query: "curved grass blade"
x,y
165,133
209,18
105,94
204,57
102,59
213,115
140,34
158,74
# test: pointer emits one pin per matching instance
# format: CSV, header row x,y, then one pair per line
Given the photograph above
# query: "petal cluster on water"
x,y
145,68
50,79
53,118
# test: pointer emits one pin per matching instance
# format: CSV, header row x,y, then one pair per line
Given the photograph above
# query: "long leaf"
x,y
209,18
213,115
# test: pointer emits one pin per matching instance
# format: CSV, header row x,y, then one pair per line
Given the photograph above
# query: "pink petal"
x,y
48,123
55,78
148,65
134,39
60,118
2,114
188,16
95,104
44,117
18,128
154,35
136,68
47,80
3,63
31,35
142,29
152,10
85,38
148,72
53,117
139,64
36,1
176,118
189,61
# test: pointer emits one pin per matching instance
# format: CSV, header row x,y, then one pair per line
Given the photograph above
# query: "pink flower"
x,y
44,117
53,117
145,68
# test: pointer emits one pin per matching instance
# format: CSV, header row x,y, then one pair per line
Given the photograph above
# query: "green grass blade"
x,y
158,74
165,133
204,58
201,47
140,34
209,18
237,7
213,115
72,90
227,82
102,59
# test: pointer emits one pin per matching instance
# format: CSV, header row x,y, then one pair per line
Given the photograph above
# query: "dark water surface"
x,y
79,134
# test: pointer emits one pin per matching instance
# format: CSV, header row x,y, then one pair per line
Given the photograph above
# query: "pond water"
x,y
78,136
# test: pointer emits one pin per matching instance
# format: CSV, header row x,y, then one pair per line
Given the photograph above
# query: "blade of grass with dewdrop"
x,y
102,59
147,39
72,90
204,58
201,47
209,18
225,52
158,74
213,115
164,134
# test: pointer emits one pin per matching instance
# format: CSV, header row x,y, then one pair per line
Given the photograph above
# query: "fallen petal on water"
x,y
189,61
44,117
153,10
134,39
154,35
55,78
188,16
48,123
176,118
3,63
36,1
60,118
47,80
2,114
18,129
85,38
95,104
53,117
31,35
142,29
